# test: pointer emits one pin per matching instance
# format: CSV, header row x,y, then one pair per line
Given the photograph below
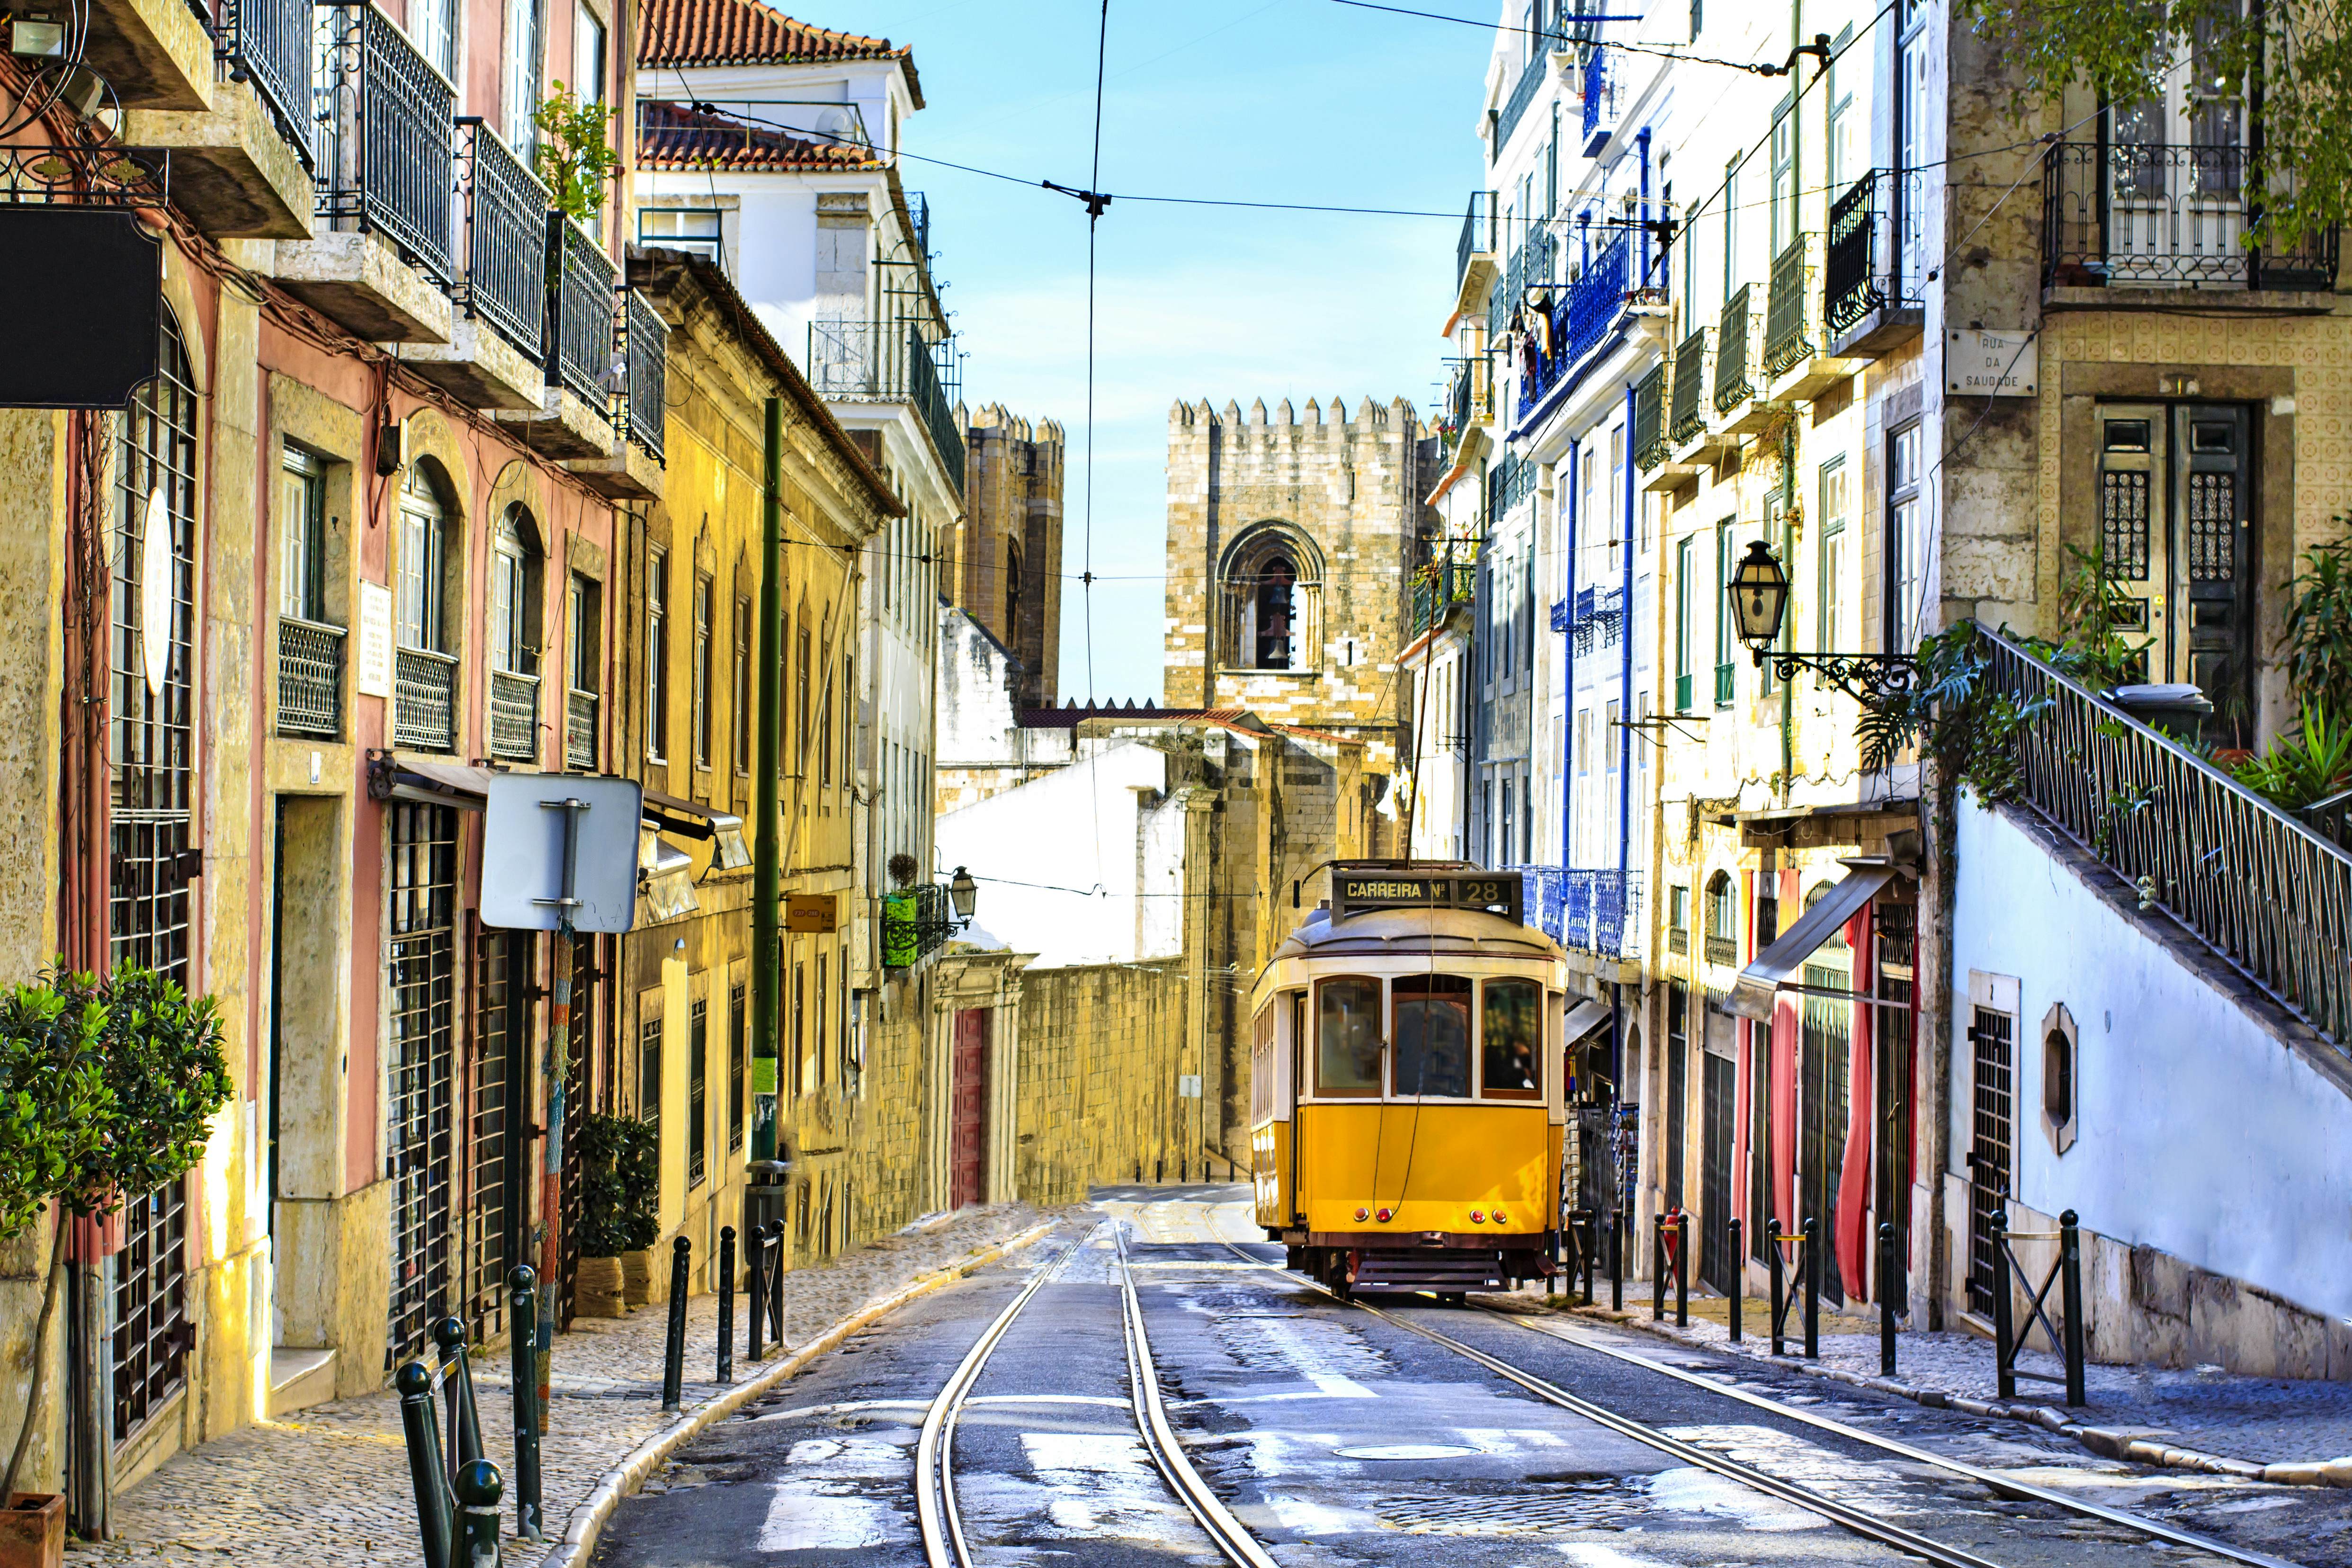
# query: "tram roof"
x,y
1409,933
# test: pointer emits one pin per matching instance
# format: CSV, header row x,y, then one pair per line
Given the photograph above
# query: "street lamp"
x,y
963,892
1759,603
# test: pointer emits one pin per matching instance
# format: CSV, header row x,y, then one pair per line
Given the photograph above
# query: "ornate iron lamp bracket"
x,y
1876,681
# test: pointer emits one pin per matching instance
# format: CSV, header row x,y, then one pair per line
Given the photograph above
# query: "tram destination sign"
x,y
1500,893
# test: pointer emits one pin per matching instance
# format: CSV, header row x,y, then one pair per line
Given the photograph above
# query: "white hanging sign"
x,y
374,665
155,606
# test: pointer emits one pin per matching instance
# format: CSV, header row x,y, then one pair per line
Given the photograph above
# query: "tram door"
x,y
2176,533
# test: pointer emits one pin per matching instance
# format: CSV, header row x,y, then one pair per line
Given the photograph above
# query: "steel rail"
x,y
2022,1492
936,1516
1152,1419
1837,1512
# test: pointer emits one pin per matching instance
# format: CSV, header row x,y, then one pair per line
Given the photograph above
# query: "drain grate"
x,y
1600,1506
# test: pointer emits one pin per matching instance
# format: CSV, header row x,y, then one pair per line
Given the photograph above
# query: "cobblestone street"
x,y
330,1485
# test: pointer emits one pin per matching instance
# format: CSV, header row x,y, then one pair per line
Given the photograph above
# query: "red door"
x,y
969,1159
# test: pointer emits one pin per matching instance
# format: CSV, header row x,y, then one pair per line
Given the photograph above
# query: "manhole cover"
x,y
1599,1506
1405,1451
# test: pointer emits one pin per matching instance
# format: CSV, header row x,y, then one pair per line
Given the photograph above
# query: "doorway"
x,y
968,1168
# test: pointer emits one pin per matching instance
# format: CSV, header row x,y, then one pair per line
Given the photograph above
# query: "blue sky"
x,y
1296,100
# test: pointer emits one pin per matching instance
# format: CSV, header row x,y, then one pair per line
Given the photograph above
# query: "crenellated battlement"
x,y
1233,424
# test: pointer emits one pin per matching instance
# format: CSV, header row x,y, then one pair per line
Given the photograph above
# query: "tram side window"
x,y
1433,1035
1262,1066
1347,1037
1511,1040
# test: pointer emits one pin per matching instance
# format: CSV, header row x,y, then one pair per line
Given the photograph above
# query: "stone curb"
x,y
2105,1441
589,1518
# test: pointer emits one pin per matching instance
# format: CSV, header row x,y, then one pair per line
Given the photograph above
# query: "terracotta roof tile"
x,y
747,33
673,136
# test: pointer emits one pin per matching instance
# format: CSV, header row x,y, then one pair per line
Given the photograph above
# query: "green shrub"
x,y
2307,763
620,1186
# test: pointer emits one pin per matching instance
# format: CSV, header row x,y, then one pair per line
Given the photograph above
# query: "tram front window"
x,y
1432,1035
1347,1039
1510,1044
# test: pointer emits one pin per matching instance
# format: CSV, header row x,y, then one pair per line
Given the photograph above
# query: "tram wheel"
x,y
1453,1298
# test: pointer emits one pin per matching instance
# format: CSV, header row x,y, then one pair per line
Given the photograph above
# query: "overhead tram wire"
x,y
1633,46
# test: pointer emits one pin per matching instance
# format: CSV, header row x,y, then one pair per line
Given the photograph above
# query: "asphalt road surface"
x,y
1337,1436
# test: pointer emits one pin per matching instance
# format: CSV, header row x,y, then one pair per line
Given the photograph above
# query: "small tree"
x,y
106,1086
575,161
620,1186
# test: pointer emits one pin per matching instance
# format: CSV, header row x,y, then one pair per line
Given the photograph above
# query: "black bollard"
x,y
425,1474
1738,1311
1592,1252
2069,1288
530,1517
1885,1299
1777,1270
1812,1290
2004,1340
1682,1270
755,1281
725,1303
457,1375
1616,1260
479,1488
1658,1268
674,1341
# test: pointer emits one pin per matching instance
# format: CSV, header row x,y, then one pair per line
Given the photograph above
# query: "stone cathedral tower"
x,y
1289,542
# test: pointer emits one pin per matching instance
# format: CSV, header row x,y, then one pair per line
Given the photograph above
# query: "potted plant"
x,y
106,1088
620,1187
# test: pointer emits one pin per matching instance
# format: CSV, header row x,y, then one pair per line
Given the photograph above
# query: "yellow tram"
x,y
1406,1097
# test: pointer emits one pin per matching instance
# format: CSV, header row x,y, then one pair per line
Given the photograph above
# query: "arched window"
x,y
424,672
1271,598
514,636
1722,919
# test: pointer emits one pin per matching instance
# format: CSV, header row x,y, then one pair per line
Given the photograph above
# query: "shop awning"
x,y
690,819
1753,993
427,781
1582,1019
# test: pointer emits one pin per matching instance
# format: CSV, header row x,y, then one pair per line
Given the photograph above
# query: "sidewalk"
x,y
2284,1430
330,1484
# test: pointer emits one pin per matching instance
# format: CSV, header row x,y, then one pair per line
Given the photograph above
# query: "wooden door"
x,y
969,1098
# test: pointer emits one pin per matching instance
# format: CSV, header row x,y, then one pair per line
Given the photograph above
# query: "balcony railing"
x,y
1790,335
310,678
424,699
1477,234
1470,400
1450,579
1581,321
1523,93
1649,419
1873,253
1677,940
915,922
1600,111
2264,891
580,731
890,361
506,239
645,346
1593,911
1721,950
580,332
514,716
386,130
1690,384
269,43
1726,675
1733,338
2142,215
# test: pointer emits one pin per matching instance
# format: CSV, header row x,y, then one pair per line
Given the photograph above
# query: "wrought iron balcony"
x,y
580,334
504,281
386,136
1580,322
1649,419
310,678
2154,216
916,922
2268,894
580,731
1734,337
887,361
514,716
1722,950
1440,584
1690,382
1523,94
1470,400
269,43
645,347
1600,107
1594,910
1873,253
1477,234
1508,483
424,699
1790,335
1677,940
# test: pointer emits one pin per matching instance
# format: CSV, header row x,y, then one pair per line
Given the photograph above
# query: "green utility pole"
x,y
766,848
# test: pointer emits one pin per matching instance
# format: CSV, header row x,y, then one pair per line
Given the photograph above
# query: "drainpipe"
x,y
1624,716
1642,140
1568,685
1788,688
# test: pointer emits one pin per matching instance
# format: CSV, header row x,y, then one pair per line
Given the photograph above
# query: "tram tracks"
x,y
939,1519
1845,1515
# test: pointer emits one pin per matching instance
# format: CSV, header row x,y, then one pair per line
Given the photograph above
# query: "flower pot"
x,y
33,1531
598,1291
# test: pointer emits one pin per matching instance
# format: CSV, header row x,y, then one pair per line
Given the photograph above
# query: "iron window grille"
x,y
1649,426
152,1335
425,700
1733,337
420,980
1689,386
514,716
1789,334
1989,1034
385,151
1864,269
495,1174
698,1092
310,678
